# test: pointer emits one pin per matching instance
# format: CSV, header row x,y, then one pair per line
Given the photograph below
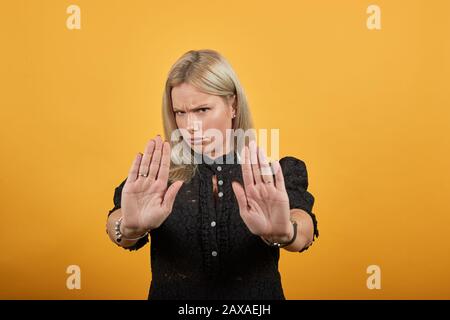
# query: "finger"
x,y
145,163
247,174
171,193
163,173
133,172
241,200
266,170
240,196
254,162
156,159
279,178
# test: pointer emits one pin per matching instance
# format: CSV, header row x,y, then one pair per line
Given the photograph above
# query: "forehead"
x,y
186,95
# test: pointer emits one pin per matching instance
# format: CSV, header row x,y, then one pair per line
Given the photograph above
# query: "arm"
x,y
305,231
110,224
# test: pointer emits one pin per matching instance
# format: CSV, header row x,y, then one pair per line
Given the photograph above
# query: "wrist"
x,y
131,233
122,231
284,239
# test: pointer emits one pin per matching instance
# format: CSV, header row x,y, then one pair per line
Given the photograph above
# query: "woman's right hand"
x,y
146,201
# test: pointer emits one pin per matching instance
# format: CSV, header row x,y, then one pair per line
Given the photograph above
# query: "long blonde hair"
x,y
208,71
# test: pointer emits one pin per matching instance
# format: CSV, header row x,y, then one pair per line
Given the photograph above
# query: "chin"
x,y
201,148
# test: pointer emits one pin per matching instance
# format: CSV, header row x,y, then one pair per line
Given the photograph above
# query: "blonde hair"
x,y
208,71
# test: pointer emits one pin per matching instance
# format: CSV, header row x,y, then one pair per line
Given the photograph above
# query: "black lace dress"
x,y
204,250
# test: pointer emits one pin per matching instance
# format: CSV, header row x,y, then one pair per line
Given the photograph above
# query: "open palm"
x,y
263,201
146,199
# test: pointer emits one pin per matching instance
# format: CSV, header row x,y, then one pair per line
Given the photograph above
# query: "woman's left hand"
x,y
263,202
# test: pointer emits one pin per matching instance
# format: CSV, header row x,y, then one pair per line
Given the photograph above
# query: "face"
x,y
204,117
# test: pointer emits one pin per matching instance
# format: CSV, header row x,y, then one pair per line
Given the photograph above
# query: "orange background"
x,y
367,110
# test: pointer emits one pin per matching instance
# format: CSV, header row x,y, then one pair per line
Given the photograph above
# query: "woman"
x,y
216,219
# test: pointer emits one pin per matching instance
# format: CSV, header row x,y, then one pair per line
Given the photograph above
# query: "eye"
x,y
179,113
202,110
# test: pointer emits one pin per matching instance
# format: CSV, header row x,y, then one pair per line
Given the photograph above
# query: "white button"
x,y
214,253
219,168
220,182
220,194
213,224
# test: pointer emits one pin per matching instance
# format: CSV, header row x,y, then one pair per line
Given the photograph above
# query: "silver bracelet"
x,y
119,235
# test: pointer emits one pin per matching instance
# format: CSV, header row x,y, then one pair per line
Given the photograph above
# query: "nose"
x,y
193,124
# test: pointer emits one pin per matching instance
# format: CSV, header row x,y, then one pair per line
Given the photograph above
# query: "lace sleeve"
x,y
296,182
117,204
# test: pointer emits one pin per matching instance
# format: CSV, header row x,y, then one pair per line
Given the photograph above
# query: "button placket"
x,y
214,253
219,182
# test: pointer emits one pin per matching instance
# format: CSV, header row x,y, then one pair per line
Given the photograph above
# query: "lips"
x,y
199,140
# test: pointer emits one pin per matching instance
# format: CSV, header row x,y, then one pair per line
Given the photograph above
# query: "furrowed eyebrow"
x,y
193,109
